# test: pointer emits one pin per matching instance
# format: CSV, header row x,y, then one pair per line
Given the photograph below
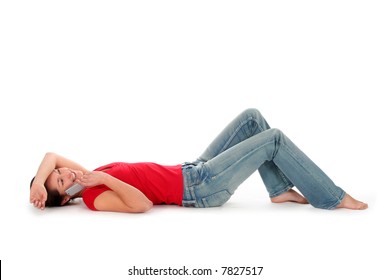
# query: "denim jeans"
x,y
248,144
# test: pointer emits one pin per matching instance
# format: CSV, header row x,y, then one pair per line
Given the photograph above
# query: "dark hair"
x,y
54,198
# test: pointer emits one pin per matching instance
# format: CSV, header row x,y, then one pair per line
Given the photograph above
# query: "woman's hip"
x,y
202,190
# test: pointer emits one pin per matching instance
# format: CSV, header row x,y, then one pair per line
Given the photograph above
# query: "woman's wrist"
x,y
38,181
105,178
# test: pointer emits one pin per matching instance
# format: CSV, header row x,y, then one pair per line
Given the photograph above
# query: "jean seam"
x,y
284,178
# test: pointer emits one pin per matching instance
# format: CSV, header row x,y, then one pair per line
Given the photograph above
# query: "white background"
x,y
103,81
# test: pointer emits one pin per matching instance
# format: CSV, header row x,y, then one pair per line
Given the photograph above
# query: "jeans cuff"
x,y
279,192
338,201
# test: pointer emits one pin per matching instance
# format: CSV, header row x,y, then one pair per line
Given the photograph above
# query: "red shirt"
x,y
161,184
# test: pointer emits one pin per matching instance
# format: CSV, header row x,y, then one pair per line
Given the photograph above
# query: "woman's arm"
x,y
122,198
51,161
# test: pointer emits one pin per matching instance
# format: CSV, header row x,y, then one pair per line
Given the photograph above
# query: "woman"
x,y
247,144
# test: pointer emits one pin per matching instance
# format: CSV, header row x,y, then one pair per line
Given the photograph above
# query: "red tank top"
x,y
161,184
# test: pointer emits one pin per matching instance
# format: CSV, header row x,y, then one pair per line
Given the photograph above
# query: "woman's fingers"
x,y
38,196
38,204
89,179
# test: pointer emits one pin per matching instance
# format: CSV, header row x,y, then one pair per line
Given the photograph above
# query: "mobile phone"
x,y
74,189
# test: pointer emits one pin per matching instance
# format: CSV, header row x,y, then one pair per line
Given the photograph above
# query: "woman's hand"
x,y
38,195
91,179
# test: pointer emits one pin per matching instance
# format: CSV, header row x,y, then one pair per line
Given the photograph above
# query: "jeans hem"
x,y
285,189
338,201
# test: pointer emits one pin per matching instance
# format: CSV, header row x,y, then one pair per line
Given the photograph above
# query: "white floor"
x,y
155,81
288,240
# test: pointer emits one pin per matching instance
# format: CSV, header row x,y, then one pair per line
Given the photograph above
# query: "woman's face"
x,y
62,179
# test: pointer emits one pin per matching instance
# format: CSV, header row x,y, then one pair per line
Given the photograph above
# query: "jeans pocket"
x,y
216,199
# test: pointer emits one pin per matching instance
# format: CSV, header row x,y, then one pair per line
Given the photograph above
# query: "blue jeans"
x,y
248,144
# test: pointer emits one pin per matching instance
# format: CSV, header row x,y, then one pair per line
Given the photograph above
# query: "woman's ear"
x,y
65,200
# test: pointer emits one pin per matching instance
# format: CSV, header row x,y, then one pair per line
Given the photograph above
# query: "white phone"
x,y
74,189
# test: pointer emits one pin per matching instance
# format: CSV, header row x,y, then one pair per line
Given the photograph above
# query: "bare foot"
x,y
350,203
289,196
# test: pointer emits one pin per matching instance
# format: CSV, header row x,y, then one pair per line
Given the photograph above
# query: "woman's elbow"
x,y
144,207
50,154
147,206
